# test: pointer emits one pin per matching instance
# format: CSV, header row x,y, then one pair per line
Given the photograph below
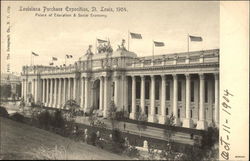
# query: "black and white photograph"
x,y
124,80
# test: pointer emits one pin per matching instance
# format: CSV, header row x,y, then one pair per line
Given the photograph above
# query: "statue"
x,y
89,52
102,48
122,46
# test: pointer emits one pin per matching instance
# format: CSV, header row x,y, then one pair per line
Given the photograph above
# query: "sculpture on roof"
x,y
89,52
104,47
122,46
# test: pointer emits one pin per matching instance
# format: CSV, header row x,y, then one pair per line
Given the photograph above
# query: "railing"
x,y
200,57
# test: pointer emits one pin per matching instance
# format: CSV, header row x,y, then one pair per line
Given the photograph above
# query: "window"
x,y
168,91
146,110
191,113
157,91
192,91
156,110
137,108
146,90
206,91
113,89
179,91
179,113
166,111
138,90
129,108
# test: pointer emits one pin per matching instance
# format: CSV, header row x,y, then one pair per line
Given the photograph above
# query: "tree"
x,y
168,131
72,106
92,117
5,91
112,114
141,118
22,105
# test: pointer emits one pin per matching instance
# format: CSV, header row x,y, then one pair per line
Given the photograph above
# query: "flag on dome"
x,y
101,41
195,38
34,54
159,44
135,36
54,58
69,56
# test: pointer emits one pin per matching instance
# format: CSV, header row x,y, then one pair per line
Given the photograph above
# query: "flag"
x,y
135,36
101,41
159,44
54,58
34,54
69,56
51,63
195,38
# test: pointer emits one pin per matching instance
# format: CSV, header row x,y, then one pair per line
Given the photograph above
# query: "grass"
x,y
21,141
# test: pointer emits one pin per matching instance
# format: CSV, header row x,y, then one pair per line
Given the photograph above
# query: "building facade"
x,y
183,84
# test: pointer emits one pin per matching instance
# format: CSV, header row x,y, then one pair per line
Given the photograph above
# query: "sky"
x,y
169,22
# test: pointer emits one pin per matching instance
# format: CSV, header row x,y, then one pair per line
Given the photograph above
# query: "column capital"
x,y
202,76
187,76
152,76
142,77
174,76
163,77
216,76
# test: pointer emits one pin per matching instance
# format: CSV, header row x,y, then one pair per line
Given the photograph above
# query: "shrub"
x,y
17,117
44,119
131,151
3,112
117,141
58,120
92,138
210,137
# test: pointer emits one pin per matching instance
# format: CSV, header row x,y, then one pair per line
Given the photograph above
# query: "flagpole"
x,y
31,59
153,49
188,42
96,45
128,40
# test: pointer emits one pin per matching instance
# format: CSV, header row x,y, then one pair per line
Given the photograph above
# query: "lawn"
x,y
21,141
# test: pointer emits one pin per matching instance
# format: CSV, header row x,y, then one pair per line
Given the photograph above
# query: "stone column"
x,y
82,93
151,116
105,101
188,122
201,123
22,88
47,92
55,93
143,94
216,100
59,102
69,88
43,100
175,100
116,91
64,91
86,94
162,118
101,94
132,114
74,89
51,93
33,89
125,93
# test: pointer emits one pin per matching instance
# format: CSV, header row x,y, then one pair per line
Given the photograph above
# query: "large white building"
x,y
183,84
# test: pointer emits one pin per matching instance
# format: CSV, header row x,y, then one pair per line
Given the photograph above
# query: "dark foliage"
x,y
58,120
210,137
44,119
117,141
17,117
93,138
3,112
